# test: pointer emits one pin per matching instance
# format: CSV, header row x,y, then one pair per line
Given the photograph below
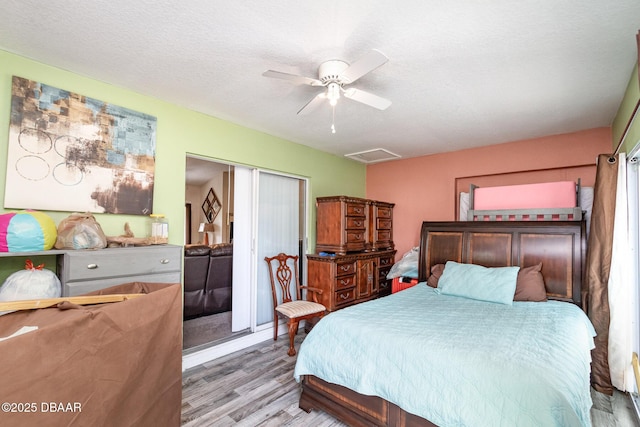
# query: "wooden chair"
x,y
280,273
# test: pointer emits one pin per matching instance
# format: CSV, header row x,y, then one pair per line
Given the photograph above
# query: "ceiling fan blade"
x,y
313,104
293,78
367,98
362,66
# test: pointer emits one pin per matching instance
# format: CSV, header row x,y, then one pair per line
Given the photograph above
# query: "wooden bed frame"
x,y
559,245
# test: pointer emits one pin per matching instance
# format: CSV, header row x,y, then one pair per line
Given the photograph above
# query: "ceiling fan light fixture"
x,y
334,75
333,93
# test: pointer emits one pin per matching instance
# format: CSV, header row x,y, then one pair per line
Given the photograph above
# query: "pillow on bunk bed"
x,y
530,284
496,284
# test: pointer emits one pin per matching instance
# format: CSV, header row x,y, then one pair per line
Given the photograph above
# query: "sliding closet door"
x,y
242,253
279,222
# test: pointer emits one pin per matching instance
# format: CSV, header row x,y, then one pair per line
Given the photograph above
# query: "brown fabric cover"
x,y
599,249
121,362
530,284
436,272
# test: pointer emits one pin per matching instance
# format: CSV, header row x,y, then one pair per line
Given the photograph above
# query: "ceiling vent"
x,y
373,156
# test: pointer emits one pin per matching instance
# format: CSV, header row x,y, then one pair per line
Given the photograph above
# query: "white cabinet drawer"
x,y
71,289
85,265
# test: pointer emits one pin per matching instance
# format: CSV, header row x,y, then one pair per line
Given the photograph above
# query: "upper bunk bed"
x,y
548,201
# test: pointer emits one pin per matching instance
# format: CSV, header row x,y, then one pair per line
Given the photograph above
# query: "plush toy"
x,y
31,283
27,231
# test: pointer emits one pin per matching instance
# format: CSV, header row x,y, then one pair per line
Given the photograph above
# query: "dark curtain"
x,y
598,266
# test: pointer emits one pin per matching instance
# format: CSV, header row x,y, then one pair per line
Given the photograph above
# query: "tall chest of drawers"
x,y
354,250
350,224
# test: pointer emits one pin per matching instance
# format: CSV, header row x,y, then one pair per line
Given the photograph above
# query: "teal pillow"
x,y
472,281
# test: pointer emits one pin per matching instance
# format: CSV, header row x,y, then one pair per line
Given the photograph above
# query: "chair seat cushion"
x,y
300,308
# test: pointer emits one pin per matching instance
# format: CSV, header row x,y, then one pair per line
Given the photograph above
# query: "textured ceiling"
x,y
460,73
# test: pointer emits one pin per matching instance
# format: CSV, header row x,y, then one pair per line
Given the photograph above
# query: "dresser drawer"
x,y
120,262
345,281
345,296
356,209
382,273
384,286
384,212
355,237
71,289
386,261
345,268
355,223
384,224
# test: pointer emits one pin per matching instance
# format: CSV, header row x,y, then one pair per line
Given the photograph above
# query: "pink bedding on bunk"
x,y
527,196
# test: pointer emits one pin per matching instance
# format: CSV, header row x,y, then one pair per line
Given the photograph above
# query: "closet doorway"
x,y
261,213
208,255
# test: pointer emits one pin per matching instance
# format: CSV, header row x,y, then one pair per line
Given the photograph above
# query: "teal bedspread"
x,y
457,361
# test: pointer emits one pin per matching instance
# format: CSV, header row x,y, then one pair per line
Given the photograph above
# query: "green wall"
x,y
627,106
181,131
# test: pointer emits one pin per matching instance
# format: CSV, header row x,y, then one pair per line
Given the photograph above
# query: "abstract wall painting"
x,y
69,152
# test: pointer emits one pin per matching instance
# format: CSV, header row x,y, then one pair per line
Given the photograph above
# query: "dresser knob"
x,y
164,261
92,266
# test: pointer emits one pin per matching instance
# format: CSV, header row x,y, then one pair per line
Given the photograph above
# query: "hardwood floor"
x,y
255,387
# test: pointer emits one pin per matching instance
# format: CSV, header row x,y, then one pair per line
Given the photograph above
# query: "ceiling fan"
x,y
334,75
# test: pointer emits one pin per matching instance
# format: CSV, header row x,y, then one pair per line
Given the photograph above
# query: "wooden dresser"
x,y
355,250
350,279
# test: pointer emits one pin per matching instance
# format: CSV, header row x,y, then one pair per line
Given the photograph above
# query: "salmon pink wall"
x,y
426,188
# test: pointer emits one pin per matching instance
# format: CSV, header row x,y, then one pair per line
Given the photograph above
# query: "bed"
x,y
443,360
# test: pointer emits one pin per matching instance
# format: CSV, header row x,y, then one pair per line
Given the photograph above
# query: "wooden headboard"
x,y
559,245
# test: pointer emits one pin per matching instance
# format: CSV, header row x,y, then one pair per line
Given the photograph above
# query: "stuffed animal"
x,y
27,231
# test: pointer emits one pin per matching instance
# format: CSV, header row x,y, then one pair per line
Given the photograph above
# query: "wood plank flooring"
x,y
252,387
255,387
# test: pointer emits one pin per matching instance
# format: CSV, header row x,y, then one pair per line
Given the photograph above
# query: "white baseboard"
x,y
208,354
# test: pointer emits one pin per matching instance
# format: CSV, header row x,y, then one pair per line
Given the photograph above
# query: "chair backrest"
x,y
283,272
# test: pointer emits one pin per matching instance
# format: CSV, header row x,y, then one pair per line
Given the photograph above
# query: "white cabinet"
x,y
83,271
